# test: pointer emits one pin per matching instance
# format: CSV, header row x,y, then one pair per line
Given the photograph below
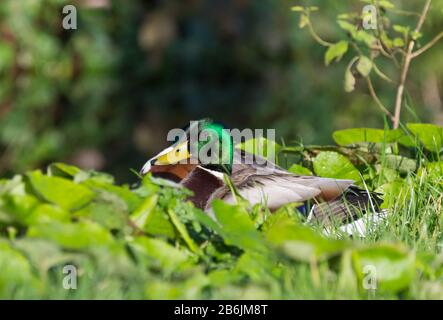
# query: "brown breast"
x,y
203,184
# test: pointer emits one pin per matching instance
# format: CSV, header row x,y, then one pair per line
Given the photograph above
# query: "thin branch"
x,y
428,45
316,36
381,74
377,100
406,64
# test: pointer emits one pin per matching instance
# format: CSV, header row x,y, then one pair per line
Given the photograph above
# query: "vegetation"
x,y
104,96
108,91
146,242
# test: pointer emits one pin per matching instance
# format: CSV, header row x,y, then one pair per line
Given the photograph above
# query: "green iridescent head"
x,y
203,143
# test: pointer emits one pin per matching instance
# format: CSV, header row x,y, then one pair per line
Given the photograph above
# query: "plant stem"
x,y
406,64
316,36
377,100
428,45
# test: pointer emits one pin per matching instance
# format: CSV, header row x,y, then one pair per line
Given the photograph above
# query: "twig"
x,y
316,36
428,45
377,100
381,74
406,64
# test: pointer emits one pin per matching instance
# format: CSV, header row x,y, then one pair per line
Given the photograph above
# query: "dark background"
x,y
104,96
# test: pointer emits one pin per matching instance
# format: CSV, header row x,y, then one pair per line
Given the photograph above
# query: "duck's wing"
x,y
278,187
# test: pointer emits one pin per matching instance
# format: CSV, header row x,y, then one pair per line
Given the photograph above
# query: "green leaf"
x,y
345,25
181,228
65,193
131,199
386,4
167,256
141,216
404,30
356,135
63,170
72,235
237,228
300,242
108,214
395,193
336,51
364,66
416,35
261,147
304,20
400,163
298,169
392,266
334,165
297,8
349,84
430,135
15,271
398,42
159,224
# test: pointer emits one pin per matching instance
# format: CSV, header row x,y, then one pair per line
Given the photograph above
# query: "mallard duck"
x,y
258,181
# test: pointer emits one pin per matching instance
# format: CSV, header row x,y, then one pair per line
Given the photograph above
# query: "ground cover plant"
x,y
145,241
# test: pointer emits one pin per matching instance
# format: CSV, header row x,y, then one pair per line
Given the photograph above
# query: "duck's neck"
x,y
202,183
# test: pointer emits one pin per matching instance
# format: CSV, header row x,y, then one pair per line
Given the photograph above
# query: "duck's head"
x,y
203,143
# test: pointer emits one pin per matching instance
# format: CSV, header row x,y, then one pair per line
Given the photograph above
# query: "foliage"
x,y
145,241
104,96
373,35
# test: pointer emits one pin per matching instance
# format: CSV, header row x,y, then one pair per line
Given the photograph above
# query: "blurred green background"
x,y
104,96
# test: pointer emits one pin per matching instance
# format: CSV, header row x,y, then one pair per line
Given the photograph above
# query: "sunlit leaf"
x,y
429,134
336,52
364,66
60,191
349,84
334,165
392,267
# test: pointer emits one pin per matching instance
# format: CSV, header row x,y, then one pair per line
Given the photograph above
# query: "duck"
x,y
214,168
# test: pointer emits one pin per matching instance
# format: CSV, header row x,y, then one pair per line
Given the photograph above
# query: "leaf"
x,y
398,42
336,51
237,229
400,163
63,170
386,4
345,25
15,271
364,66
72,235
300,242
304,20
65,193
159,224
401,29
131,199
108,214
298,169
261,147
334,165
181,228
430,135
394,192
356,135
393,267
416,35
168,257
297,8
141,216
349,84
